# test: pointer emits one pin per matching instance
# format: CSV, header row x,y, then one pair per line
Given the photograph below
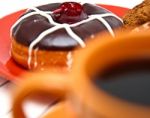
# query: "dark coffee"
x,y
128,80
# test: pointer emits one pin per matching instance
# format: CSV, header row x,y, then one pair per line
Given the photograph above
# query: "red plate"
x,y
8,68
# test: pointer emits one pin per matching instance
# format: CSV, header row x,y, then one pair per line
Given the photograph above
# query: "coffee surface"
x,y
128,80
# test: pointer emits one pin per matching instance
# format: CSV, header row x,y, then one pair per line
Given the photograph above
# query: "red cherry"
x,y
69,12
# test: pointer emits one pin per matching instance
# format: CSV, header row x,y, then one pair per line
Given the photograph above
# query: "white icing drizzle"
x,y
107,26
38,39
73,35
46,32
58,26
92,17
69,60
22,18
35,57
35,12
43,13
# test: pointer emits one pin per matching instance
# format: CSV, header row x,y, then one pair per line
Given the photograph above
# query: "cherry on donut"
x,y
69,12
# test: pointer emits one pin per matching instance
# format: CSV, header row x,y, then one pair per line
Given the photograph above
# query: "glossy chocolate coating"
x,y
30,28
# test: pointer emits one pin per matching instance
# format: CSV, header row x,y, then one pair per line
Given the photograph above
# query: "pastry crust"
x,y
40,58
139,15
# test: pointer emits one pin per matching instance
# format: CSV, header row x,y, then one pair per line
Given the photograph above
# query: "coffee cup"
x,y
105,63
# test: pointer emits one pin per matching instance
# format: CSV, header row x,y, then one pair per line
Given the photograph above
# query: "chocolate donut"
x,y
47,35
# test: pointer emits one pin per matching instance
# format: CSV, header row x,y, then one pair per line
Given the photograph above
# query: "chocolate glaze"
x,y
28,29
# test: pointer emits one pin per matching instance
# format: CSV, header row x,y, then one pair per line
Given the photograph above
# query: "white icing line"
x,y
69,60
107,26
101,19
37,40
73,35
92,17
35,57
22,18
36,11
115,17
46,32
42,13
81,22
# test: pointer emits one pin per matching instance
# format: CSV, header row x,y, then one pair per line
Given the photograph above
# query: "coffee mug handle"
x,y
63,110
50,84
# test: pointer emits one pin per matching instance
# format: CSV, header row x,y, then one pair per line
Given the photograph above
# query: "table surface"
x,y
10,6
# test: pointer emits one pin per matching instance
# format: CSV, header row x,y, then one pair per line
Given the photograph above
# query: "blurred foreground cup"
x,y
84,91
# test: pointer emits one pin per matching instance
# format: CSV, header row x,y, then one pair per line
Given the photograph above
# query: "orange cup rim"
x,y
85,62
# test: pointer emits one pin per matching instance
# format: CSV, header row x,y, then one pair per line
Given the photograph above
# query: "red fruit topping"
x,y
69,12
